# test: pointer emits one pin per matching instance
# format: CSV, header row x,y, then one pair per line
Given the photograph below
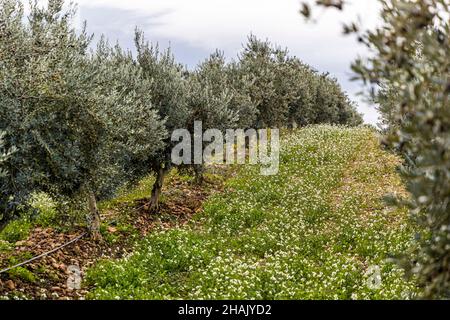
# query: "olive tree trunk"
x,y
199,171
94,218
157,188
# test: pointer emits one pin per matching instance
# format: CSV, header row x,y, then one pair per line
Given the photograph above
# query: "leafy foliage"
x,y
167,81
302,234
74,116
285,91
408,74
135,131
16,230
86,122
169,96
46,107
210,96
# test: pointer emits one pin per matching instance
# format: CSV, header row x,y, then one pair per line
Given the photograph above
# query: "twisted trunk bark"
x,y
94,220
199,170
157,188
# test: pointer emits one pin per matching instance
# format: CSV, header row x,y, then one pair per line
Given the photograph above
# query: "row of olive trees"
x,y
409,76
87,121
76,118
286,91
241,94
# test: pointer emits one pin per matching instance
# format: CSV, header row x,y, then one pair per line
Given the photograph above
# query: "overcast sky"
x,y
196,28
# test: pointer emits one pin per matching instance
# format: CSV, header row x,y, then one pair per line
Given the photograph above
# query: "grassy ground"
x,y
318,229
125,221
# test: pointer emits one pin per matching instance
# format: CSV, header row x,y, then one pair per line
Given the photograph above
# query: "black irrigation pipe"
x,y
44,254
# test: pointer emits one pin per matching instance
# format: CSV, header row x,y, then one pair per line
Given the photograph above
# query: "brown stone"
x,y
10,285
112,230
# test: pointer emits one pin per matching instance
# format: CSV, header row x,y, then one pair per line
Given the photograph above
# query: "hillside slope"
x,y
319,229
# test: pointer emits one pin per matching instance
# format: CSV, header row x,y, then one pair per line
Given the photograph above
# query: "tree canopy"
x,y
87,119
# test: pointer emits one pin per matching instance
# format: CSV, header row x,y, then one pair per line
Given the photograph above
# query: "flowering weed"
x,y
314,231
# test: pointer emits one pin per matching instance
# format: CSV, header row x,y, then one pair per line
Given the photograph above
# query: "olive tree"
x,y
134,131
212,101
266,68
168,85
240,83
332,105
46,107
408,73
287,92
302,108
73,115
